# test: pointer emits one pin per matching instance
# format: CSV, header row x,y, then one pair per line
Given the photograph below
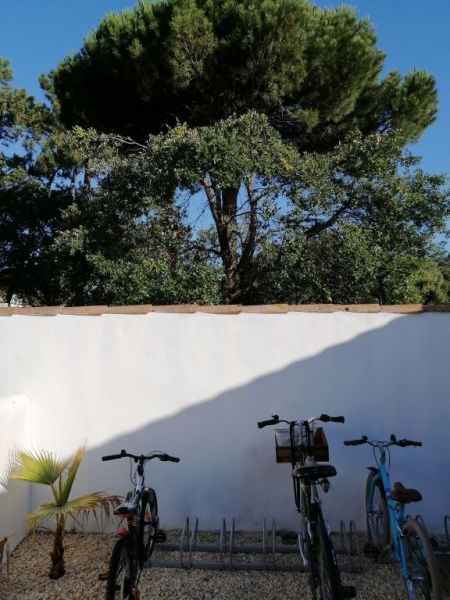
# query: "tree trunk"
x,y
57,554
229,245
236,260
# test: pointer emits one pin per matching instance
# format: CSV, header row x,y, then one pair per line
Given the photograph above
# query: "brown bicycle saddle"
x,y
405,495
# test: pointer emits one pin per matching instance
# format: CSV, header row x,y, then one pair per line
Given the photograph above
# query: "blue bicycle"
x,y
388,529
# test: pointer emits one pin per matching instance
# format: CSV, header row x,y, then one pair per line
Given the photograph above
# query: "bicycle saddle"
x,y
314,472
405,495
127,507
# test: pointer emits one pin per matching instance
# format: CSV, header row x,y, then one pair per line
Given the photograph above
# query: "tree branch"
x,y
321,225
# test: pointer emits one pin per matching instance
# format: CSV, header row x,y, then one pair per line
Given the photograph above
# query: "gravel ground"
x,y
87,556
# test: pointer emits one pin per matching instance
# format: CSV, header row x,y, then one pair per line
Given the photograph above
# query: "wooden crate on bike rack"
x,y
285,453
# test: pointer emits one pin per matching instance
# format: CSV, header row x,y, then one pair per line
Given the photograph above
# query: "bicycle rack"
x,y
229,552
447,534
350,547
441,540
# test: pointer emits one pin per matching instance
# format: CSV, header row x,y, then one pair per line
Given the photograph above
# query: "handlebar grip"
x,y
112,457
338,419
275,419
362,440
167,457
409,443
326,418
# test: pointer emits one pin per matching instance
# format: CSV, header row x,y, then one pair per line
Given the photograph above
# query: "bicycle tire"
x,y
120,581
310,557
422,566
148,524
329,577
377,513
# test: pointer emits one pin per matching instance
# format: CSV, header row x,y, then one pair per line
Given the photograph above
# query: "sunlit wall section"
x,y
15,501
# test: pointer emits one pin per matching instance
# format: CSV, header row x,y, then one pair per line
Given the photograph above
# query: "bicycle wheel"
x,y
329,578
307,547
377,513
120,582
424,579
148,524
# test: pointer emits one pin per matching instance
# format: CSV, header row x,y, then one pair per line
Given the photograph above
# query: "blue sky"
x,y
36,34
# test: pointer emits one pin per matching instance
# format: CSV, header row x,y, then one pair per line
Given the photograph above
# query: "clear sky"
x,y
36,34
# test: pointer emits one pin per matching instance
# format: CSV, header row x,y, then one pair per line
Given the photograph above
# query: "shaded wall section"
x,y
194,385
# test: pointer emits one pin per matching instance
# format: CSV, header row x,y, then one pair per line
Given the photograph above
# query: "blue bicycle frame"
x,y
396,512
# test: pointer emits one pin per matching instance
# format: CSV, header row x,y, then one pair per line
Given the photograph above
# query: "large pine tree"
x,y
316,74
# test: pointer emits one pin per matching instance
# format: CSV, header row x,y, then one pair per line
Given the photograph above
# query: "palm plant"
x,y
45,468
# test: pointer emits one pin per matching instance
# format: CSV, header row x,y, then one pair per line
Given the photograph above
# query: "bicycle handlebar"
x,y
393,442
276,419
161,455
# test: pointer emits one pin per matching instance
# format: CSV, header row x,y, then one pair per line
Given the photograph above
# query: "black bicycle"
x,y
304,445
135,542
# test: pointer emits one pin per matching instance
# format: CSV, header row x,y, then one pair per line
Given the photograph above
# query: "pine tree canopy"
x,y
316,73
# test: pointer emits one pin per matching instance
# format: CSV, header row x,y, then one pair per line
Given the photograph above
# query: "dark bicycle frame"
x,y
306,495
134,533
308,503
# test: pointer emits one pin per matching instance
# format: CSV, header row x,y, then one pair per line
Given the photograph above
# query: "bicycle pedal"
x,y
160,537
348,591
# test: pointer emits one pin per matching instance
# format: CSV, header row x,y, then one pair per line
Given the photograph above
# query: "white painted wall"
x,y
15,502
194,385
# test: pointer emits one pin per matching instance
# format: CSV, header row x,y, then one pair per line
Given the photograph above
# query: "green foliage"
x,y
243,77
96,218
345,265
20,115
316,168
316,73
260,190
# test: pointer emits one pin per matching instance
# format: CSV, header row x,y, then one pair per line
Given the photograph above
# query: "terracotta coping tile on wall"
x,y
330,308
176,308
135,309
267,309
231,309
221,309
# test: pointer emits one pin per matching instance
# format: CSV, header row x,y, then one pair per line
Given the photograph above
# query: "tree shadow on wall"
x,y
390,380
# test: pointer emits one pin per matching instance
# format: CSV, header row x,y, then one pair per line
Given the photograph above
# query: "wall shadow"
x,y
395,379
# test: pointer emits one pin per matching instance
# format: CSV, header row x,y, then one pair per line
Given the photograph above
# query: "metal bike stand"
x,y
447,534
349,546
228,551
442,540
442,554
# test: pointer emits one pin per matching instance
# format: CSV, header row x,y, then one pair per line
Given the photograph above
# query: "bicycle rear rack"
x,y
228,554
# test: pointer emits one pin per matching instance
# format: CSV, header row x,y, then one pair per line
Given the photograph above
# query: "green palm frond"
x,y
66,486
48,510
36,467
79,507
